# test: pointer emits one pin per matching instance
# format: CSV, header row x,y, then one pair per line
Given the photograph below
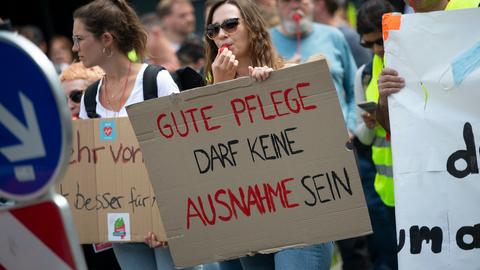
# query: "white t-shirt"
x,y
165,85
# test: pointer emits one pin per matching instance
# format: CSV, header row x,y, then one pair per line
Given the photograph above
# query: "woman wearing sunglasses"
x,y
238,43
369,132
75,79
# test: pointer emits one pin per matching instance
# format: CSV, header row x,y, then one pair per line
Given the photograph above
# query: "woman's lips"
x,y
225,46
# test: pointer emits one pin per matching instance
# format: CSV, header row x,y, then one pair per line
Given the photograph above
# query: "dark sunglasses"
x,y
76,95
229,26
369,44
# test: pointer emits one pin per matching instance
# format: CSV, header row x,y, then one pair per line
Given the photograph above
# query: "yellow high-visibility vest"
x,y
462,4
381,150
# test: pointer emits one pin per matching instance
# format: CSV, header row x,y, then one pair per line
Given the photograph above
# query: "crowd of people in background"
x,y
112,47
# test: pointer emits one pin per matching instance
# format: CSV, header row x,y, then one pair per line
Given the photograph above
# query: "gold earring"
x,y
109,54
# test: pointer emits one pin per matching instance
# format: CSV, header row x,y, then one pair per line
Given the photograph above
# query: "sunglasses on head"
x,y
229,26
76,96
369,44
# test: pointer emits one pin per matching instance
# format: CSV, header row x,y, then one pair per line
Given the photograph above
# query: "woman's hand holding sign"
x,y
152,241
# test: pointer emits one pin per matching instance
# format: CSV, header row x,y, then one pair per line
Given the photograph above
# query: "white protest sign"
x,y
435,124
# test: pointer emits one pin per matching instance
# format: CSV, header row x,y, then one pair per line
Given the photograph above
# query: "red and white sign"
x,y
36,237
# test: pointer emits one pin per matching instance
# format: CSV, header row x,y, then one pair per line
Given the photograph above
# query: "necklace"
x,y
123,92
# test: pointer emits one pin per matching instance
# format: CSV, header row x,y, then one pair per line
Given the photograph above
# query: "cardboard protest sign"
x,y
435,135
242,166
107,185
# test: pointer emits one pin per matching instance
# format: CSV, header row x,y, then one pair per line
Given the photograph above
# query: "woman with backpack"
x,y
104,32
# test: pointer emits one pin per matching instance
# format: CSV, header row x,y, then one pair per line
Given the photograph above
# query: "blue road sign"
x,y
35,126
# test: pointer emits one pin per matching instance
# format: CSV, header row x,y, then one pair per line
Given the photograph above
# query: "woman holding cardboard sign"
x,y
238,44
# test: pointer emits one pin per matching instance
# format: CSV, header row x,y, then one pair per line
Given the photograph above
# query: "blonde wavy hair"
x,y
262,52
77,71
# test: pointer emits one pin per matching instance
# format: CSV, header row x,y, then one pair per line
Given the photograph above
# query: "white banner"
x,y
435,124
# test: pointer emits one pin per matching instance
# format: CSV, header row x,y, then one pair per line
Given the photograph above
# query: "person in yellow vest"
x,y
389,82
379,195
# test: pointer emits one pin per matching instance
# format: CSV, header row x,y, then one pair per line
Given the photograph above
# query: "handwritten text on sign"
x,y
466,237
435,139
106,200
106,174
85,152
264,197
290,101
229,161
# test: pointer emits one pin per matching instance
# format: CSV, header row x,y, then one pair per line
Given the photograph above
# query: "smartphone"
x,y
368,106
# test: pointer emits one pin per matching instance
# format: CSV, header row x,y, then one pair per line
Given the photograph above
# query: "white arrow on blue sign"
x,y
35,126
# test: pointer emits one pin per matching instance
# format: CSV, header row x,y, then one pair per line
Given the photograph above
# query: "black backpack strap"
x,y
187,78
90,101
150,89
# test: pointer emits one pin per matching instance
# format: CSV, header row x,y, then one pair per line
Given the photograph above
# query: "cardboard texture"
x,y
251,174
107,180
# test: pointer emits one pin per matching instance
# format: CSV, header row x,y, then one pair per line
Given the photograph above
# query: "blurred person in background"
x,y
74,80
5,25
192,54
301,39
379,193
178,21
35,35
325,11
60,52
159,49
268,11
